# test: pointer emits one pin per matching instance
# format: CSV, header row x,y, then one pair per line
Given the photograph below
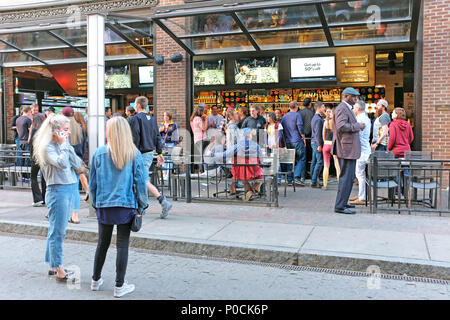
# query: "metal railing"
x,y
15,168
409,185
175,180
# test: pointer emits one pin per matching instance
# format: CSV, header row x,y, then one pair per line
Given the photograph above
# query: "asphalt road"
x,y
165,277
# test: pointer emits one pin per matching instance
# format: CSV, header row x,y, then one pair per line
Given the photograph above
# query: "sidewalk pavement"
x,y
303,231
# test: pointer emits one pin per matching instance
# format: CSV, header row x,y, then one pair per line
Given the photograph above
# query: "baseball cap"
x,y
67,111
350,90
51,109
383,102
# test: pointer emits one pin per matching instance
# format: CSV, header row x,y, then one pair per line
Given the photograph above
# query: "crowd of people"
x,y
312,132
58,147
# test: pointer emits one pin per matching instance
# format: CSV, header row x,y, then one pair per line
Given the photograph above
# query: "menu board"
x,y
314,67
256,70
208,72
117,77
356,66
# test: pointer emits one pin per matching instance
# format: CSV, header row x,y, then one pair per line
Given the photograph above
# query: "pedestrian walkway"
x,y
303,231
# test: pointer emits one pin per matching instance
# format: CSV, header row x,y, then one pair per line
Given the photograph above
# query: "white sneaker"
x,y
38,204
123,290
95,285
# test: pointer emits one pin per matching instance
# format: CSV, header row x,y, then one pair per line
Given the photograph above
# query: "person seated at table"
x,y
246,152
216,145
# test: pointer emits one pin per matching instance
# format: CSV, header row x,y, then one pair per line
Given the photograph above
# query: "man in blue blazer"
x,y
346,145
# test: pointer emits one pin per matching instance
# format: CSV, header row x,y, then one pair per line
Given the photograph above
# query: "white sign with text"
x,y
313,67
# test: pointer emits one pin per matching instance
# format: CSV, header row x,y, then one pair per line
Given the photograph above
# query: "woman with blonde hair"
x,y
58,163
78,140
199,125
327,135
118,191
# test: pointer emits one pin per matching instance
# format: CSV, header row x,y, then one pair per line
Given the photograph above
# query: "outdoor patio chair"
x,y
287,156
383,176
425,177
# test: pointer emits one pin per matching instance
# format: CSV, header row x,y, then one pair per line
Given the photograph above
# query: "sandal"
x,y
66,278
53,272
73,221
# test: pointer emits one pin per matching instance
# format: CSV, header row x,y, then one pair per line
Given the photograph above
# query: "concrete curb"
x,y
265,254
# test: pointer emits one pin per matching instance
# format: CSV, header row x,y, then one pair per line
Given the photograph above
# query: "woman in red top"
x,y
400,133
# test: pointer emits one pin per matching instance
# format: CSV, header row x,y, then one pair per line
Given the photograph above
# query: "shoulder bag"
x,y
136,224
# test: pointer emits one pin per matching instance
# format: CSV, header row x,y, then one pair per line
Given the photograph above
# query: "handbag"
x,y
136,223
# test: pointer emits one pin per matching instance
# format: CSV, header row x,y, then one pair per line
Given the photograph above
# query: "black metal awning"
x,y
276,25
53,43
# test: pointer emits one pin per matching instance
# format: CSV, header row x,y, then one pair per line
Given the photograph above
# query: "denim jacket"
x,y
111,187
62,164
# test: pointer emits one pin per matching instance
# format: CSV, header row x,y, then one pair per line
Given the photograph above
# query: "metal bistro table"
x,y
407,176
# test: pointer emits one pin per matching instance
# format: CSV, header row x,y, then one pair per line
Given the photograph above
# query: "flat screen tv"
x,y
256,70
117,77
145,74
209,72
313,68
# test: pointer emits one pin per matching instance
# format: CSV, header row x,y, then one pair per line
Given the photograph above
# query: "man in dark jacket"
x,y
147,139
307,114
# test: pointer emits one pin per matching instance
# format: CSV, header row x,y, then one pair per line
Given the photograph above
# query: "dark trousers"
x,y
38,195
346,179
25,159
104,239
308,157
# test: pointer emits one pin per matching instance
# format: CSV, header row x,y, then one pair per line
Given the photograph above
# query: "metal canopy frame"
x,y
233,10
117,23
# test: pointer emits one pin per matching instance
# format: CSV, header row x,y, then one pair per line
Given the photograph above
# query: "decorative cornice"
x,y
82,9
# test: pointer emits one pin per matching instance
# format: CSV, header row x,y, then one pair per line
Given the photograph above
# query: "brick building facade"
x,y
436,78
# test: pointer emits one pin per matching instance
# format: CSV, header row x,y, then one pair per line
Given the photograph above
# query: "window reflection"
x,y
362,34
298,16
364,10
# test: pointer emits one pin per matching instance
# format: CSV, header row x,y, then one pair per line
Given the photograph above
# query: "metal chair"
x,y
287,156
382,175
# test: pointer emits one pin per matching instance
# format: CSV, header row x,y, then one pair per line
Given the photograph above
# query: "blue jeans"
x,y
76,196
316,162
300,157
18,154
148,160
381,147
58,199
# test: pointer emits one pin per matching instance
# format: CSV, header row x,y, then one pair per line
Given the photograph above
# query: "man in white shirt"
x,y
364,136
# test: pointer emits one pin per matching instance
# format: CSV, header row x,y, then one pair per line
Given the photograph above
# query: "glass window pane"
x,y
57,54
112,37
73,35
366,11
15,57
122,49
204,45
298,16
362,34
33,40
291,39
203,24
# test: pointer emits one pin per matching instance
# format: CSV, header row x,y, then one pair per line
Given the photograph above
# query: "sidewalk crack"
x,y
309,234
426,245
220,229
